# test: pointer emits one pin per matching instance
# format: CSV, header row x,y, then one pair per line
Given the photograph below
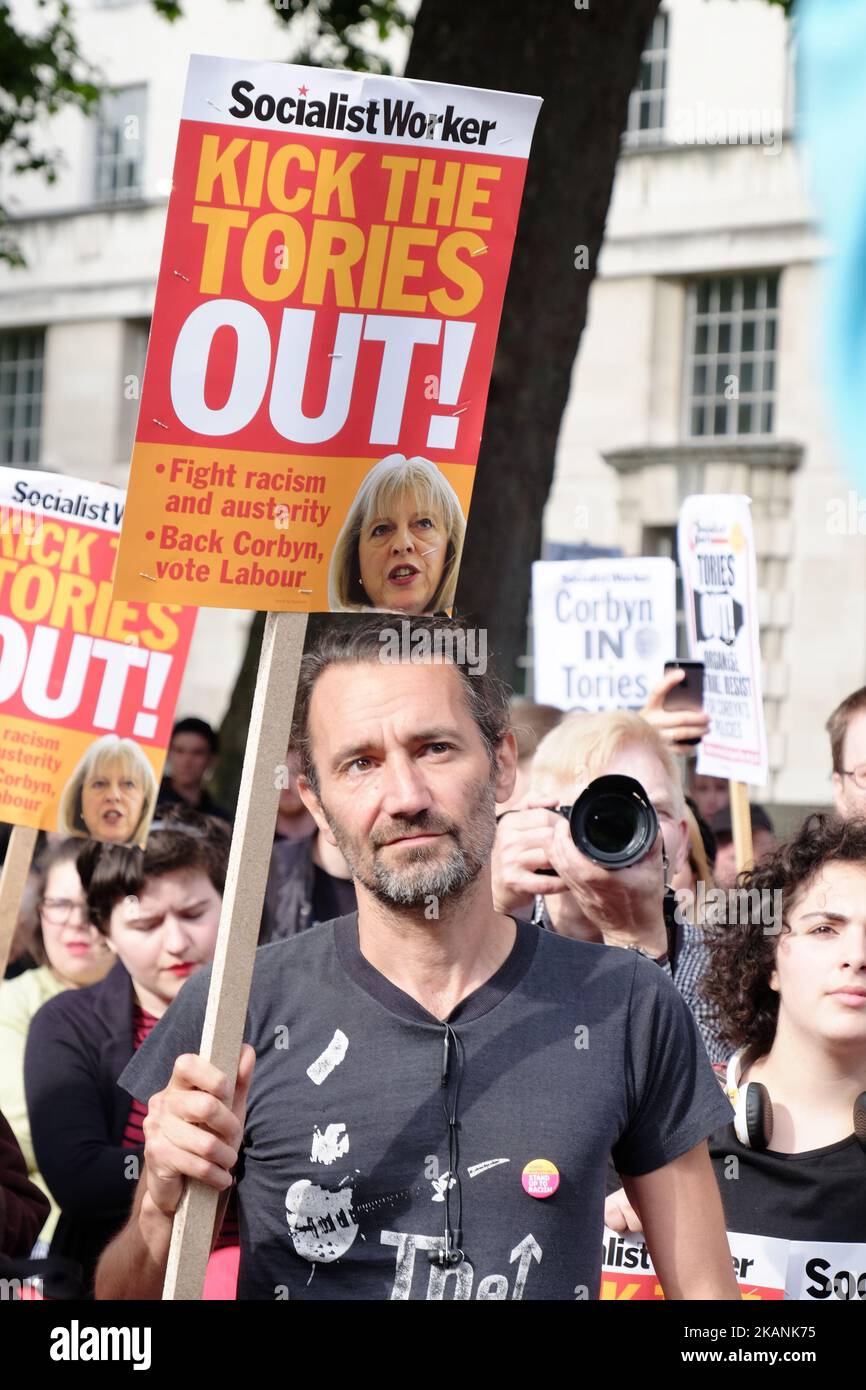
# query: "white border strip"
x,y
208,97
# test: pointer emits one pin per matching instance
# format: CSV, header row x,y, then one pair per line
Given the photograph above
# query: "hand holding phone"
x,y
675,706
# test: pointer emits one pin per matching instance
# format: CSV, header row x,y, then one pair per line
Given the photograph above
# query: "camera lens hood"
x,y
613,822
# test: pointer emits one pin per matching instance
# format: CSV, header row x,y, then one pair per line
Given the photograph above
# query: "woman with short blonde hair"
x,y
582,746
111,793
405,504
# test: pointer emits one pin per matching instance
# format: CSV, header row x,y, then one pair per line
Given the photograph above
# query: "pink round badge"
x,y
540,1178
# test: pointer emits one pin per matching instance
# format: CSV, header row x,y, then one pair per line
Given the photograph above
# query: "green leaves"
x,y
42,73
337,38
39,74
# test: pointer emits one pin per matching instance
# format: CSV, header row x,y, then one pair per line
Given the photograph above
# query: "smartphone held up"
x,y
687,694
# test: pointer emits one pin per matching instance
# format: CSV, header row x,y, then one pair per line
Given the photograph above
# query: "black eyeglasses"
x,y
59,911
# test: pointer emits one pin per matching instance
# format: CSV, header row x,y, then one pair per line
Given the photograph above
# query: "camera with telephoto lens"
x,y
613,822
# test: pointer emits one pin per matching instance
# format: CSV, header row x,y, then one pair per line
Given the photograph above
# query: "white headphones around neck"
x,y
753,1109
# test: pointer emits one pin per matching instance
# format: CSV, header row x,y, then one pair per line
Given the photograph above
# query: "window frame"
x,y
763,360
104,196
655,58
29,457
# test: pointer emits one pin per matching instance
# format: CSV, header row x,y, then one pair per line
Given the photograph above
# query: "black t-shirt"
x,y
205,805
802,1217
332,897
569,1052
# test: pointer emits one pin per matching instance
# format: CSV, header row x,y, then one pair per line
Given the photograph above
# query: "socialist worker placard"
x,y
336,253
628,1274
88,684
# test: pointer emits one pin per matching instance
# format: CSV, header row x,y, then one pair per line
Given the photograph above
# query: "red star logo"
x,y
303,91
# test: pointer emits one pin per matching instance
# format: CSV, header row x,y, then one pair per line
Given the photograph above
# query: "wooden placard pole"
x,y
13,879
741,824
246,878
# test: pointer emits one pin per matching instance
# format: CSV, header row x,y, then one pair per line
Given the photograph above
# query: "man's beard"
x,y
423,874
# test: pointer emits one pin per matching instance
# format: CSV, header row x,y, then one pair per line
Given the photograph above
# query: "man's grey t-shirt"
x,y
571,1052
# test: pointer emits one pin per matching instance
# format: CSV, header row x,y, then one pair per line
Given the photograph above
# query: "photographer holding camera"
x,y
615,892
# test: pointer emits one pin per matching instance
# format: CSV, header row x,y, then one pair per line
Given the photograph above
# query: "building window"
x,y
646,105
21,355
120,146
731,338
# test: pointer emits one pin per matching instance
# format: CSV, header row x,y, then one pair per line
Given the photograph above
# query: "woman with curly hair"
x,y
790,989
787,978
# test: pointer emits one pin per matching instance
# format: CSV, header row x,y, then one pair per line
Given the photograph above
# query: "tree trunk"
x,y
584,63
236,723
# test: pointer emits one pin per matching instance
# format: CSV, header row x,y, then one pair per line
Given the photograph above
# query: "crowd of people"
x,y
462,1028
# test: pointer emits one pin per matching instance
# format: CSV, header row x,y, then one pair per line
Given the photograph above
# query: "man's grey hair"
x,y
359,639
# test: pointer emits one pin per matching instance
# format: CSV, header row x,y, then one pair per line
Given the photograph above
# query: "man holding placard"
x,y
437,1088
336,251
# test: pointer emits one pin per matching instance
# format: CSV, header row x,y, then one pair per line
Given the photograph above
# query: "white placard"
x,y
826,1271
761,1267
330,101
720,596
766,1267
602,629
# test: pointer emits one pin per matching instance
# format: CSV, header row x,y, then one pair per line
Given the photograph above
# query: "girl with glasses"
x,y
70,954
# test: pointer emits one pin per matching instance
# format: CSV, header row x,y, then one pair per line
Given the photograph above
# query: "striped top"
x,y
133,1134
142,1024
